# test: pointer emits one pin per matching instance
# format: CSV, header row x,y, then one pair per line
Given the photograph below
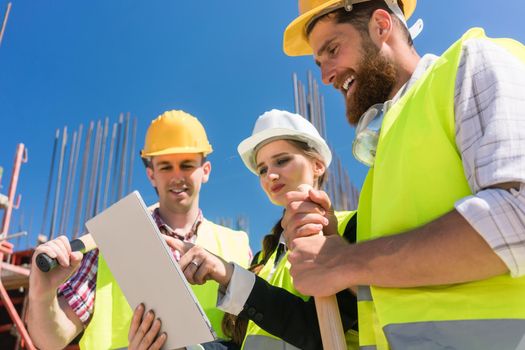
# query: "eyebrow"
x,y
273,157
163,162
322,50
183,162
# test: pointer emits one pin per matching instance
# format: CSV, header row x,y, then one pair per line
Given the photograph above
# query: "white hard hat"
x,y
282,125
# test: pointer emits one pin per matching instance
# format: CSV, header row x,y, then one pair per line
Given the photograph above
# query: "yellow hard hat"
x,y
295,42
175,132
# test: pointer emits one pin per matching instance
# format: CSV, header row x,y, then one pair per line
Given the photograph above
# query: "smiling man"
x,y
174,154
440,258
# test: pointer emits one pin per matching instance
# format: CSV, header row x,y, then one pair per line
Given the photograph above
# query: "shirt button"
x,y
251,311
258,317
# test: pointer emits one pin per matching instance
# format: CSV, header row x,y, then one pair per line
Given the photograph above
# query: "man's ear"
x,y
380,27
206,168
151,178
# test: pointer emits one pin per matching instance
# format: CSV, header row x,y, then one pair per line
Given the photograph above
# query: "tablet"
x,y
144,267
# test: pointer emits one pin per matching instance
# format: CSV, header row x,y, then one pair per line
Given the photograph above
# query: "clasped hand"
x,y
313,256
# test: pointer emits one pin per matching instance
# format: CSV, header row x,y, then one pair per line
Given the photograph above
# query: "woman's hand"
x,y
144,331
199,265
307,213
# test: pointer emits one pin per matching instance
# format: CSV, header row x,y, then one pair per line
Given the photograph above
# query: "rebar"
x,y
115,179
58,184
50,181
80,196
123,159
69,199
4,23
93,174
101,167
108,173
132,154
65,202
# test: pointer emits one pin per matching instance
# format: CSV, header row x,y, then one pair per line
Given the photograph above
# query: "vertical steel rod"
x,y
323,117
110,163
115,177
132,154
50,181
295,93
309,98
315,113
80,195
65,202
4,23
58,184
303,100
72,183
123,159
98,193
93,176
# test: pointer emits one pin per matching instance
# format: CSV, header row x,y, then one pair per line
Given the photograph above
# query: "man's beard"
x,y
376,78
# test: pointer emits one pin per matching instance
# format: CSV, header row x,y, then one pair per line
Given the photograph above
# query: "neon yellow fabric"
x,y
231,246
108,329
105,331
282,278
417,177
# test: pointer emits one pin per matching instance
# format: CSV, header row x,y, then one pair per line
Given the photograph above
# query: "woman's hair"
x,y
233,326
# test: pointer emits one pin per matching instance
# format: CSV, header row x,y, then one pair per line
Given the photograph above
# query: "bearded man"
x,y
440,256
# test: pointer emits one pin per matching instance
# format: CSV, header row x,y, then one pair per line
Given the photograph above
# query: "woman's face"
x,y
282,167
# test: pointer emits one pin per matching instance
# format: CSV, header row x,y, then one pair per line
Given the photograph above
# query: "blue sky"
x,y
64,63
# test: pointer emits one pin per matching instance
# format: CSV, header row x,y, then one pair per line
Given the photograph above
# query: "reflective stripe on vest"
x,y
417,177
258,339
108,329
262,342
464,335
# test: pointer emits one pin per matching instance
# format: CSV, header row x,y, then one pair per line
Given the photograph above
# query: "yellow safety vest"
x,y
109,326
417,177
258,339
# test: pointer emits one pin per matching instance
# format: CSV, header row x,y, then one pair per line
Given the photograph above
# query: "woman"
x,y
285,151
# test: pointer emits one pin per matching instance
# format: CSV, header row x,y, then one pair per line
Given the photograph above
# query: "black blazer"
x,y
288,316
292,319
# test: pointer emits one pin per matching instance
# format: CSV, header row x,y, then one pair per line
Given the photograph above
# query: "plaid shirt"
x,y
79,290
489,108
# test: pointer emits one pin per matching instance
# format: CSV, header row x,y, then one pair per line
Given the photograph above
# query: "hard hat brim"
x,y
295,42
178,150
249,146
